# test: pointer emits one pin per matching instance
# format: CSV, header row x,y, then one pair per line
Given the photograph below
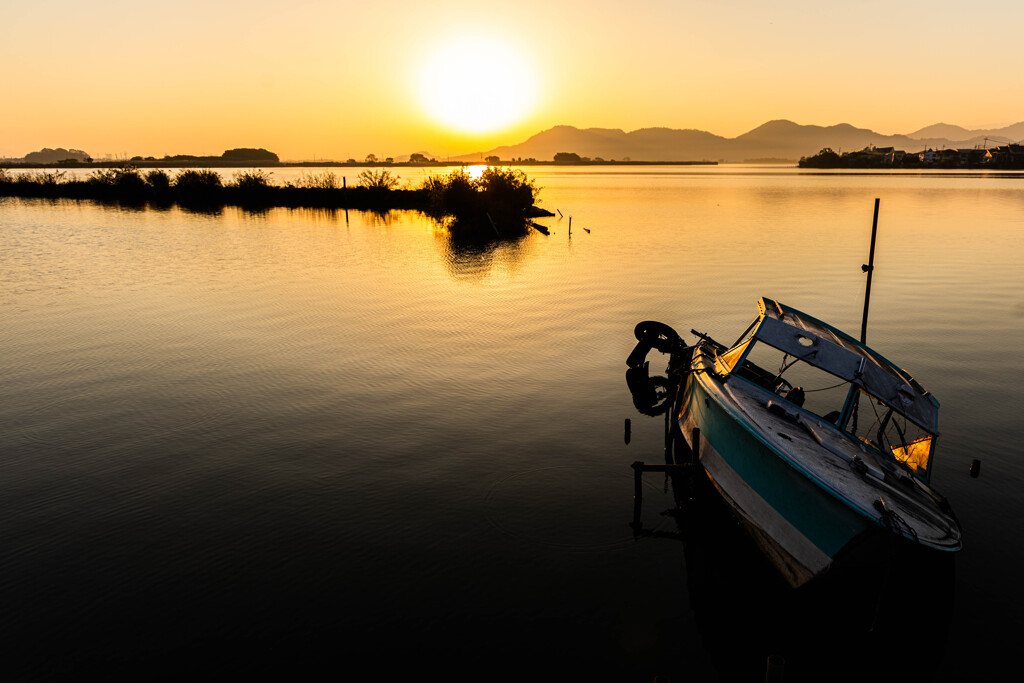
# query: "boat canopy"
x,y
823,346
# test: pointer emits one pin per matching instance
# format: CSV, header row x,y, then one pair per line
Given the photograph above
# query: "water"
x,y
238,442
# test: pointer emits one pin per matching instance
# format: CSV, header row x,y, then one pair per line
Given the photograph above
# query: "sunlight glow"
x,y
476,86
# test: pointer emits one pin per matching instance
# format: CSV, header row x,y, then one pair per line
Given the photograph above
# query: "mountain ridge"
x,y
778,138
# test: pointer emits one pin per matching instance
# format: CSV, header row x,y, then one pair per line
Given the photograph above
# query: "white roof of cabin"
x,y
832,350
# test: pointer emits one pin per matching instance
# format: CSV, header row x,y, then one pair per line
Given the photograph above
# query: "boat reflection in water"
x,y
883,613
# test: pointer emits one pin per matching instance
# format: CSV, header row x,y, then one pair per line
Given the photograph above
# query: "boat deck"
x,y
844,468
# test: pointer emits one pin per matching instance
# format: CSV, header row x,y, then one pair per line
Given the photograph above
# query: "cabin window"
x,y
803,384
748,333
730,357
891,433
915,454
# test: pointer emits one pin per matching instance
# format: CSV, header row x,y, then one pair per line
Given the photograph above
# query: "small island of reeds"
x,y
498,202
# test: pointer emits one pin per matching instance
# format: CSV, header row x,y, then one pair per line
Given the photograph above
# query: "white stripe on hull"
x,y
793,554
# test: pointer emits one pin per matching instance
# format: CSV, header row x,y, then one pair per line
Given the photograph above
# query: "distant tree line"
x,y
251,156
1002,157
239,154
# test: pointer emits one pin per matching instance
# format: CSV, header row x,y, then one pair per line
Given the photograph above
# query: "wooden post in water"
x,y
869,269
638,497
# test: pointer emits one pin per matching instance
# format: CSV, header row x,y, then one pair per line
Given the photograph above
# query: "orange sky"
x,y
317,79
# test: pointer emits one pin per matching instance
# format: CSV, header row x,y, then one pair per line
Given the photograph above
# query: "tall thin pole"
x,y
869,269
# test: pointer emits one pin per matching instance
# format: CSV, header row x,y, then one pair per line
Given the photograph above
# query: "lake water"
x,y
247,442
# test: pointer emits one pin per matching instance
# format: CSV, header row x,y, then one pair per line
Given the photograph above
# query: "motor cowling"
x,y
651,334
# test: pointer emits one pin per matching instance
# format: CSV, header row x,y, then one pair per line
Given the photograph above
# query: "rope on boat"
x,y
892,520
807,391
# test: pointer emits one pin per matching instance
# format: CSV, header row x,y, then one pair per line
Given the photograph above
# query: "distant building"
x,y
970,156
949,157
1005,156
891,156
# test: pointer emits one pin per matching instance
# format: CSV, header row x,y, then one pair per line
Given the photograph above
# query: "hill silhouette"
x,y
53,156
645,144
779,139
945,131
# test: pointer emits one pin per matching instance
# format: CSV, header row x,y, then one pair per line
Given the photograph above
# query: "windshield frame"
x,y
850,364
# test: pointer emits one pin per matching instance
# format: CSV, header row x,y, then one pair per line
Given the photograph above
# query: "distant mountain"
x,y
779,139
420,156
942,130
788,140
1013,133
646,144
52,156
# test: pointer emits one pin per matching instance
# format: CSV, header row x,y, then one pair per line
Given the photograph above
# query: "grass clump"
x,y
45,178
254,179
507,190
125,178
378,179
328,180
158,179
494,202
28,181
193,180
451,194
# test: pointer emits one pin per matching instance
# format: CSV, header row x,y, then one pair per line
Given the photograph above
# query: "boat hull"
x,y
799,526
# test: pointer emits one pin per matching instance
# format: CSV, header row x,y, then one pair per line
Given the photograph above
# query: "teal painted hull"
x,y
800,526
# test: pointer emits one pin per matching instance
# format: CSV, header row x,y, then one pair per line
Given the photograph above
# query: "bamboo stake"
x,y
869,269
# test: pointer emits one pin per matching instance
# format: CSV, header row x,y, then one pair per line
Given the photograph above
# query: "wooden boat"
x,y
817,442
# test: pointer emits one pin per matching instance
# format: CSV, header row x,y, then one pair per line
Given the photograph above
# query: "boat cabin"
x,y
813,367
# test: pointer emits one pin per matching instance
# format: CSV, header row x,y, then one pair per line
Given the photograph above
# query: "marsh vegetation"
x,y
494,202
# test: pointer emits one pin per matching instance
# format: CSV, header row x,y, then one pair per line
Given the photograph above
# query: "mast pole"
x,y
869,269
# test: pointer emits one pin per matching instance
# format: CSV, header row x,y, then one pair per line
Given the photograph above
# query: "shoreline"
x,y
356,198
220,163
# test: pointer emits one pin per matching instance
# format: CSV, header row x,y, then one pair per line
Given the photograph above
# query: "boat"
x,y
819,444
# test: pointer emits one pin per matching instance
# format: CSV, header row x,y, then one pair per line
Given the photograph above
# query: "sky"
x,y
317,79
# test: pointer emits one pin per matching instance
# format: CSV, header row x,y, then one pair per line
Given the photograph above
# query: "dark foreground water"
x,y
299,441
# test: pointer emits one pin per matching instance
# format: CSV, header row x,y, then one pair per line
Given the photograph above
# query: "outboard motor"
x,y
653,395
651,334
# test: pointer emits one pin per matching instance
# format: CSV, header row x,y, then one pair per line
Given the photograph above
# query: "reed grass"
x,y
327,180
192,179
126,178
378,179
158,179
495,202
254,179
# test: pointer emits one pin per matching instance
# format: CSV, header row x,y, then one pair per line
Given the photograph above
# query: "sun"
x,y
476,86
